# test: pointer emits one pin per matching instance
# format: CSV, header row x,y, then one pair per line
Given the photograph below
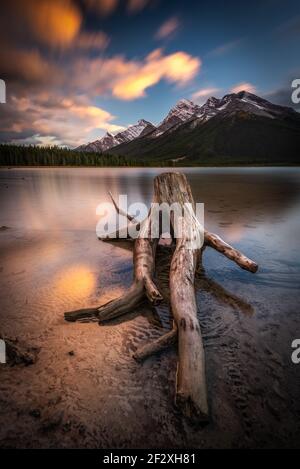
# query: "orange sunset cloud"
x,y
175,68
55,22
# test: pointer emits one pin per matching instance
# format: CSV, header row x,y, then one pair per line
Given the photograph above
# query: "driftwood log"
x,y
170,188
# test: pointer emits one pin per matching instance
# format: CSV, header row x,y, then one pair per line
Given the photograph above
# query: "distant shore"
x,y
32,156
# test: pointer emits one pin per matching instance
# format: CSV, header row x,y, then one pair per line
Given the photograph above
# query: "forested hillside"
x,y
13,155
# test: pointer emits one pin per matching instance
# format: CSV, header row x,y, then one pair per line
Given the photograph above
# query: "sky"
x,y
75,69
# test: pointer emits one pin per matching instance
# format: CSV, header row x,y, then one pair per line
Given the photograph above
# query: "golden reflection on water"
x,y
77,279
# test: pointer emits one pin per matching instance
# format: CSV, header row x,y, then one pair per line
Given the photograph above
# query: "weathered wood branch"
x,y
120,211
81,314
217,243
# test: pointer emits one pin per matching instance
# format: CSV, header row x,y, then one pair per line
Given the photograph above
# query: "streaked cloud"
x,y
130,79
178,68
28,67
204,93
92,40
290,28
134,6
244,86
225,48
48,23
168,28
107,7
103,7
55,22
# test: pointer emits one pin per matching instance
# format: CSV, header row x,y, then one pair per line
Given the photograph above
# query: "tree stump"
x,y
172,188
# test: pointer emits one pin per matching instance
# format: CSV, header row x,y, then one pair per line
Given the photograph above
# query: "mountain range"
x,y
238,128
108,141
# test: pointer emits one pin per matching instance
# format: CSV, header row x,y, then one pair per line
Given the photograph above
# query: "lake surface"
x,y
97,396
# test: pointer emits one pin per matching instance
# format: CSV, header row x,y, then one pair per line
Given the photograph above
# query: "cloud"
x,y
283,94
130,79
37,139
68,121
178,67
134,6
107,7
290,28
92,41
244,86
27,67
103,7
225,48
168,28
204,93
98,76
52,22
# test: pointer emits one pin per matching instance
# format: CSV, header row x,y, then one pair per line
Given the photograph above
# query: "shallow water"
x,y
51,262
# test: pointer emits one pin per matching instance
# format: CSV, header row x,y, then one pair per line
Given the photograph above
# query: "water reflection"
x,y
235,200
203,283
76,279
257,209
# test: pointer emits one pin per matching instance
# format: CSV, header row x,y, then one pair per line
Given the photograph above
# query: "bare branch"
x,y
217,243
120,211
158,345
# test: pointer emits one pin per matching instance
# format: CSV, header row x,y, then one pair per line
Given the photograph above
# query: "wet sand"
x,y
85,390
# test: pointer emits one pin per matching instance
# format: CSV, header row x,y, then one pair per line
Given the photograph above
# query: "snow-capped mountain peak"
x,y
178,114
109,141
212,101
133,131
183,110
143,122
